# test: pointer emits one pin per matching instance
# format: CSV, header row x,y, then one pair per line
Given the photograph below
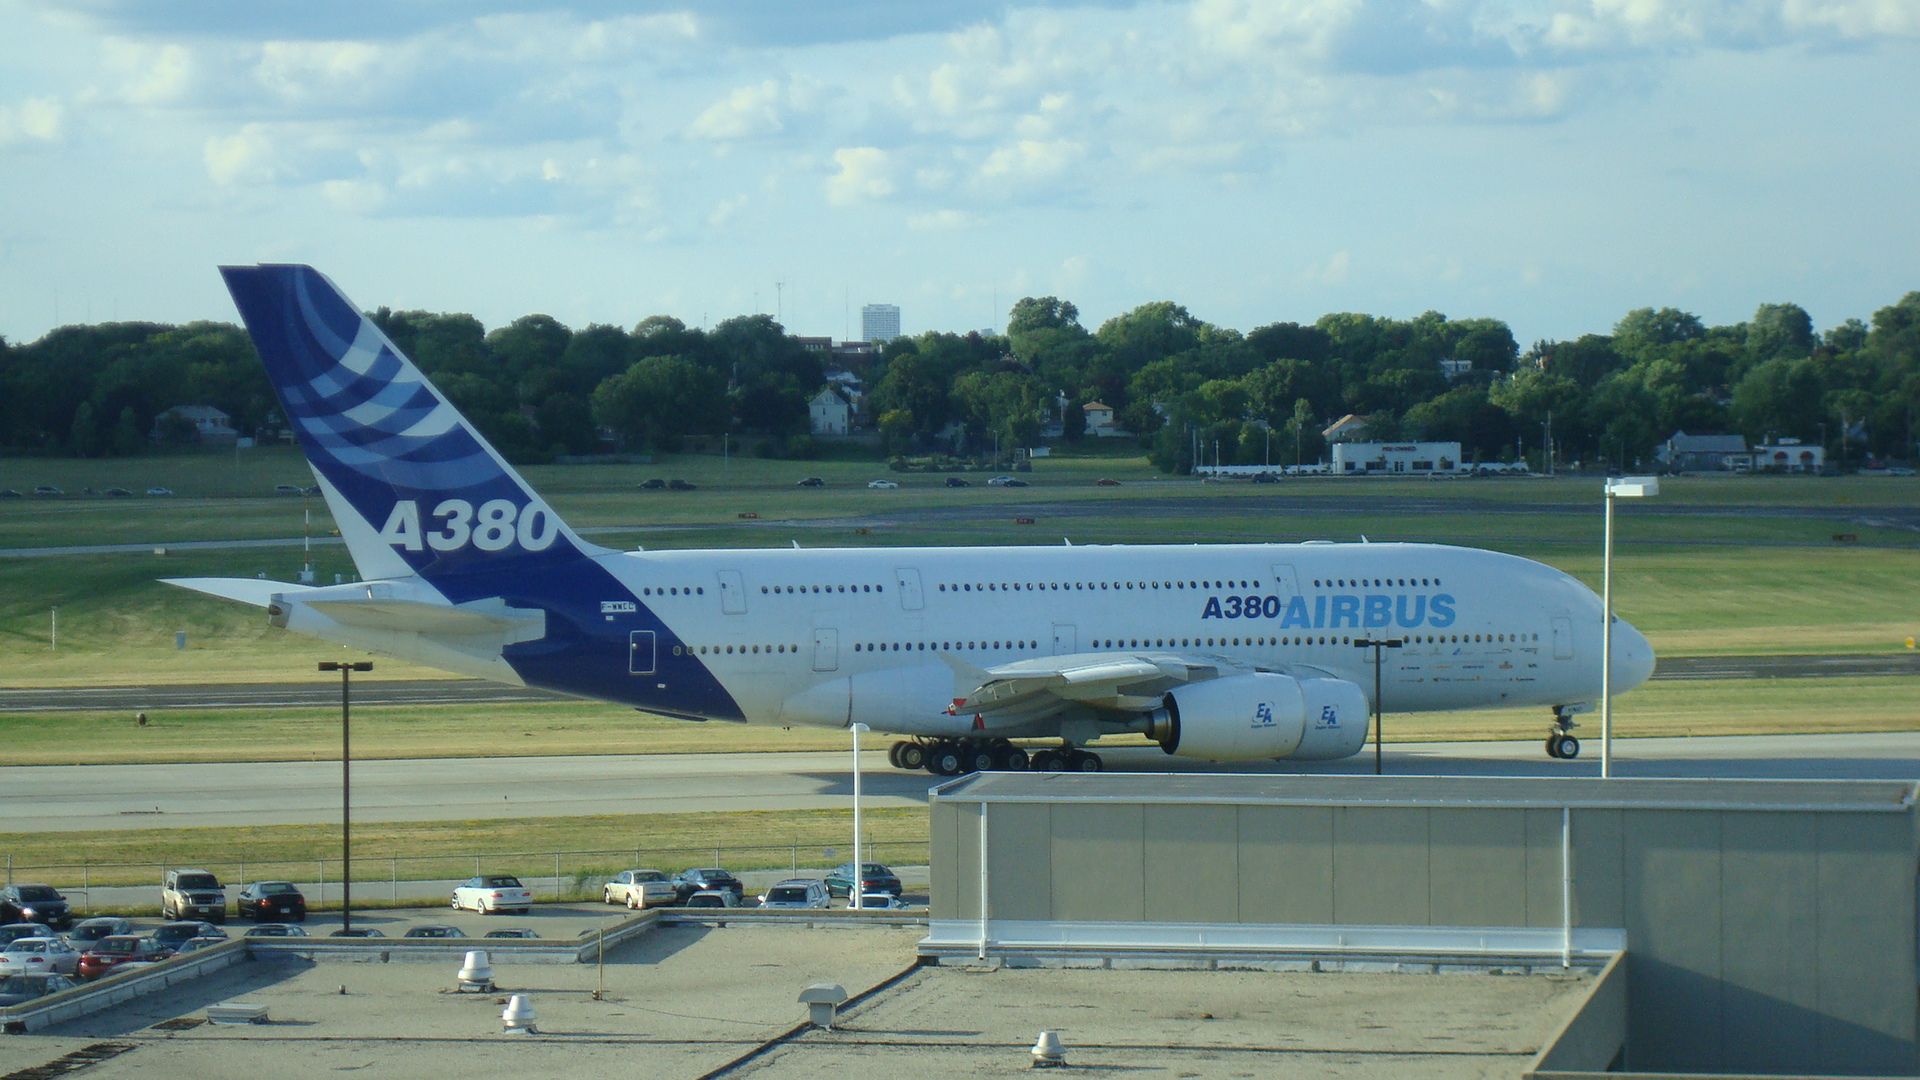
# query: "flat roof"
x,y
688,999
1576,792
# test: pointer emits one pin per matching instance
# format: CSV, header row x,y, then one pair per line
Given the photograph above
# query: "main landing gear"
x,y
1560,741
951,757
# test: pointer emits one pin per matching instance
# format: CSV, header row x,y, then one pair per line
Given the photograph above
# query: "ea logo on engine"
x,y
1262,715
1329,717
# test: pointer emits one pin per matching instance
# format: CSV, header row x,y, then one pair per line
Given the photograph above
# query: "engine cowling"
x,y
1261,716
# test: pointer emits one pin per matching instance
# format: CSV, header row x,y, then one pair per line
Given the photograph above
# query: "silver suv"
x,y
796,893
193,894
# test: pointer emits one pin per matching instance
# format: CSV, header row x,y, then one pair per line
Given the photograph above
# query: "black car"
x,y
874,878
273,901
678,484
688,882
958,481
358,931
35,903
811,481
654,484
175,934
1265,478
87,931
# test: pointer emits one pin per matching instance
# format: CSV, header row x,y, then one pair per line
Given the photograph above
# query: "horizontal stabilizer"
x,y
256,591
426,618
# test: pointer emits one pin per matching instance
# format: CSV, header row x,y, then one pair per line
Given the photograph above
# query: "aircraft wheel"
x,y
1044,761
1553,746
945,760
1013,759
893,754
1568,747
1085,761
980,758
912,756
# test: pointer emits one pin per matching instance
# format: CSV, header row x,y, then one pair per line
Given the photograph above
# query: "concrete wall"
x,y
1771,926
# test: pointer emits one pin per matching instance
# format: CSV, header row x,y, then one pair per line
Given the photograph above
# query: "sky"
x,y
1552,163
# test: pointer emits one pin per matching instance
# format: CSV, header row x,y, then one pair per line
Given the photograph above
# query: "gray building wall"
x,y
1771,924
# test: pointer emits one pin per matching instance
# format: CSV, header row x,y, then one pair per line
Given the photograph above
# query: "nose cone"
x,y
1632,657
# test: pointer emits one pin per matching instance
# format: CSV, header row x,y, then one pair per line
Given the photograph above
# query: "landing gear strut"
x,y
1560,741
951,757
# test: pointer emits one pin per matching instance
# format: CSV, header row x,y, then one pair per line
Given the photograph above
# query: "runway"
x,y
326,692
83,797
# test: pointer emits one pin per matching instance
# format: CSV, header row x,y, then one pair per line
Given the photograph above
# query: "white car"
x,y
638,889
712,898
882,484
489,893
879,901
31,956
796,893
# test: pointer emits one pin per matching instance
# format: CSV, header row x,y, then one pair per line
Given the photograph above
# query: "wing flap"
x,y
1127,682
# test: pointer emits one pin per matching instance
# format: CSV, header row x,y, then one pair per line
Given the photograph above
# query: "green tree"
x,y
1779,330
660,400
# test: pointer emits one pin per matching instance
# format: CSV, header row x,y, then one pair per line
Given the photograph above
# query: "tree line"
x,y
539,389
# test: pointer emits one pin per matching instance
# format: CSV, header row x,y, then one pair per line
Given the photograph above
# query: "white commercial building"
x,y
1395,458
880,323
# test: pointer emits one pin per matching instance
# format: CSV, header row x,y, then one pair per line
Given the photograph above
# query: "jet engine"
x,y
1261,716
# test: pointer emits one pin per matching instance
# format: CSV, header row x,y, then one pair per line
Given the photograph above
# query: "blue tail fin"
x,y
414,488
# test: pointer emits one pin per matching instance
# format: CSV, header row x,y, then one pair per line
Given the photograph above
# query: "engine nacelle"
x,y
1261,716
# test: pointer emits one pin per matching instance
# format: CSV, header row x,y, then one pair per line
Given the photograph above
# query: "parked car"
x,y
358,931
159,492
999,481
958,481
512,932
677,484
110,952
196,944
795,893
9,493
279,901
47,491
638,889
882,485
35,903
654,484
713,898
490,893
31,955
20,989
873,878
13,932
688,882
811,481
172,935
880,901
193,893
288,489
87,931
435,930
116,493
1106,481
276,929
1265,478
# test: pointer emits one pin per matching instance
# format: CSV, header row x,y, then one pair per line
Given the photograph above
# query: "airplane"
x,y
1234,652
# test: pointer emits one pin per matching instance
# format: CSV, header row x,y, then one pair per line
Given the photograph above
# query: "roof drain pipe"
x,y
983,880
1566,886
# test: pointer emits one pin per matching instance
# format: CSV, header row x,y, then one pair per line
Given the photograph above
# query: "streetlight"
x,y
1376,644
859,869
1626,487
346,670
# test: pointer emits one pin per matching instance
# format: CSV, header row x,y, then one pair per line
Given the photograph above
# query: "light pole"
x,y
859,869
346,670
1626,487
1376,644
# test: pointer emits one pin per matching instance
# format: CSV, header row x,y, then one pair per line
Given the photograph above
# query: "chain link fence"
x,y
552,875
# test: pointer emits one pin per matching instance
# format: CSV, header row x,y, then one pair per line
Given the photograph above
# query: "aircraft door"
x,y
641,652
907,581
1285,584
1065,639
826,649
1562,638
733,593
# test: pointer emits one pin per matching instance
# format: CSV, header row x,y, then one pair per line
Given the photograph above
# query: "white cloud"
x,y
940,220
1333,270
747,112
1030,161
36,119
327,71
865,175
1856,18
724,210
244,158
150,74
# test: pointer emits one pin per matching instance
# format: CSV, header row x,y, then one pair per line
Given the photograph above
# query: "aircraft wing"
x,y
1107,681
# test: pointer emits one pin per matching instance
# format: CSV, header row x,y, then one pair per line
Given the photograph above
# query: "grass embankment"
x,y
592,845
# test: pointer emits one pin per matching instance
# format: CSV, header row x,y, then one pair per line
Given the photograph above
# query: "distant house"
x,y
211,426
1790,455
830,413
1349,428
1704,453
1100,421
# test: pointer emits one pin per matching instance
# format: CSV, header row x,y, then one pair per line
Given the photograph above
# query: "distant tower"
x,y
879,323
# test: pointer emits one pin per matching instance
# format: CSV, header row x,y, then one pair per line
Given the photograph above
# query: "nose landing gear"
x,y
1560,741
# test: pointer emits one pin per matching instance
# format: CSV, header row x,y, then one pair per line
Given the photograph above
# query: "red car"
x,y
111,952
